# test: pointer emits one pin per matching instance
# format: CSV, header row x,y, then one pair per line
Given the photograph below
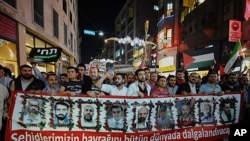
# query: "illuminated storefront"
x,y
8,46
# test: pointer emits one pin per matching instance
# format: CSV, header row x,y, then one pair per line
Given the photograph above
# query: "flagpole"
x,y
243,57
243,60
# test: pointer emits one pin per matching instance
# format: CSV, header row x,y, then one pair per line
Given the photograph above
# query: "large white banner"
x,y
80,118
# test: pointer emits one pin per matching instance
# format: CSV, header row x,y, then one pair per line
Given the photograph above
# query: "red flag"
x,y
221,70
142,65
187,60
247,10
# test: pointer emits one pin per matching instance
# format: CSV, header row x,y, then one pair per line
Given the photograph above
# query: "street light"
x,y
127,40
146,38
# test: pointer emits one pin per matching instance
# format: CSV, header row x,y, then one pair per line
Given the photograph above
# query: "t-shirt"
x,y
74,86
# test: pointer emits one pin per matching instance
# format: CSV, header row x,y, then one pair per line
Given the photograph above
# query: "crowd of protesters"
x,y
140,83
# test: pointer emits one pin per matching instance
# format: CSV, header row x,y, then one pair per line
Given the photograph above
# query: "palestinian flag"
x,y
201,61
201,58
233,59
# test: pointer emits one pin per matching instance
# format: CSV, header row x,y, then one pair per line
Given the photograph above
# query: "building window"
x,y
38,12
55,23
8,55
65,62
65,35
12,3
65,6
169,37
71,41
169,11
70,17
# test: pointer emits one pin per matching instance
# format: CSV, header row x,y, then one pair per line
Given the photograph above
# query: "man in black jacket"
x,y
191,86
26,81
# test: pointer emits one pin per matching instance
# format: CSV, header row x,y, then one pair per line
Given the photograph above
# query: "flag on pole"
x,y
247,10
198,61
187,60
233,58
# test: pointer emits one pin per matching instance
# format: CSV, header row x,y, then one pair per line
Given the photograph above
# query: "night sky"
x,y
97,15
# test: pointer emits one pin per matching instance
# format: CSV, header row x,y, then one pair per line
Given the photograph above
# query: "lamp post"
x,y
146,37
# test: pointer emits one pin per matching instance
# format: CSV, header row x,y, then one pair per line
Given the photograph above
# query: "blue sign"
x,y
89,32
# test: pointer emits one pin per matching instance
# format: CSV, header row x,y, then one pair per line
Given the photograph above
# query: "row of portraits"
x,y
118,115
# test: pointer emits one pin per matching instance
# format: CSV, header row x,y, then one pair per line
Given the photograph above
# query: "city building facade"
x,y
197,28
38,24
131,21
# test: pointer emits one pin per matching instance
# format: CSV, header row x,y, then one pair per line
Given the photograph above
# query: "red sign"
x,y
234,34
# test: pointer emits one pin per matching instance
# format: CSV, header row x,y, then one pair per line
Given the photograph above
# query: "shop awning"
x,y
167,68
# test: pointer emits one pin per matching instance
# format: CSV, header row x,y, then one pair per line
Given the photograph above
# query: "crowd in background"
x,y
141,83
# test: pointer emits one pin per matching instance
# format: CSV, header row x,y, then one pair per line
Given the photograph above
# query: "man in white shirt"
x,y
4,94
117,89
117,117
140,87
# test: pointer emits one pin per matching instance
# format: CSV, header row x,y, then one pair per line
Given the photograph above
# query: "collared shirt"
x,y
141,125
172,90
134,88
192,88
163,122
113,90
207,119
5,81
26,84
207,87
88,123
65,121
112,123
3,101
28,120
158,92
50,89
225,118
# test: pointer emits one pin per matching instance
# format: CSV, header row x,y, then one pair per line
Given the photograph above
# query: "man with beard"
x,y
26,81
93,91
33,115
190,87
227,113
171,85
211,87
117,89
231,84
185,117
61,113
140,87
88,113
207,116
141,117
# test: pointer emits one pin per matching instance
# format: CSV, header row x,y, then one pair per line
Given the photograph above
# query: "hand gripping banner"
x,y
79,118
